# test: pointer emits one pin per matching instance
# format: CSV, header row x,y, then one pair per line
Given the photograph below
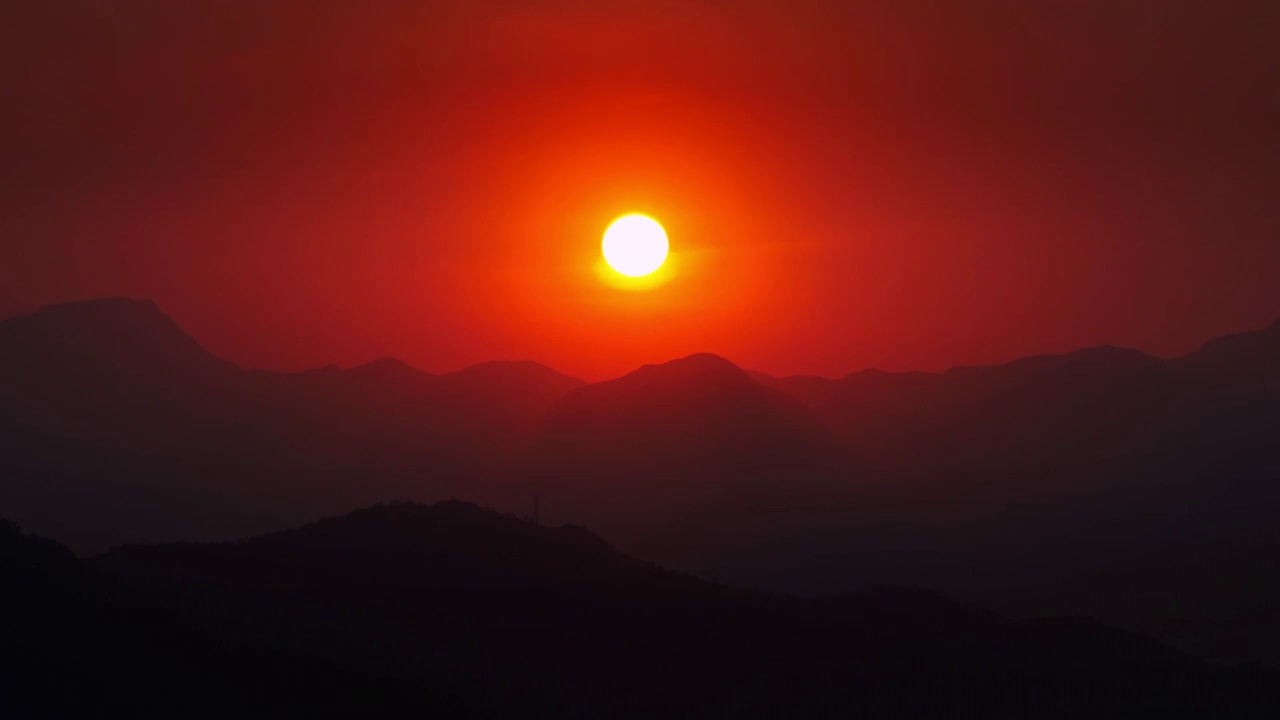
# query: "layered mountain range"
x,y
1106,482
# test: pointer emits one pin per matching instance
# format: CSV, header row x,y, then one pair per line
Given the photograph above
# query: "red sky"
x,y
846,185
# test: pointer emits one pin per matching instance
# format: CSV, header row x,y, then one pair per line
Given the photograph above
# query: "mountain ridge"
x,y
463,589
1100,458
82,310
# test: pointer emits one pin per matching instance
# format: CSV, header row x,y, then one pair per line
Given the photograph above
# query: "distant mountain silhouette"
x,y
725,466
515,610
113,371
1238,368
1036,411
1103,482
115,337
1088,405
114,401
703,400
102,370
698,428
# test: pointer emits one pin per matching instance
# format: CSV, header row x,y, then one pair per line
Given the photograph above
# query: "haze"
x,y
303,183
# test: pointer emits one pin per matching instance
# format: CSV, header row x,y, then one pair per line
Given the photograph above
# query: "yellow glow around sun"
x,y
635,245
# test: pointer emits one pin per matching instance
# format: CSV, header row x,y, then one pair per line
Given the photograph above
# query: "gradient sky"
x,y
905,185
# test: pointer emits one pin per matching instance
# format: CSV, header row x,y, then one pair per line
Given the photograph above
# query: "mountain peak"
x,y
1111,354
1257,349
385,364
388,368
676,380
410,523
506,370
103,309
123,334
704,360
1100,357
491,544
697,368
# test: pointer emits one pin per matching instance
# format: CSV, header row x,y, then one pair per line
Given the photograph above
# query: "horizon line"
x,y
750,371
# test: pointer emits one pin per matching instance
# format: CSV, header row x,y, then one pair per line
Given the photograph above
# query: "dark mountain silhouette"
x,y
1258,349
111,400
1091,405
703,400
684,425
74,644
1045,410
725,466
519,612
511,399
1103,482
117,372
103,371
128,340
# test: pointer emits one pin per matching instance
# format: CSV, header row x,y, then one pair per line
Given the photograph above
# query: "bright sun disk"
x,y
635,245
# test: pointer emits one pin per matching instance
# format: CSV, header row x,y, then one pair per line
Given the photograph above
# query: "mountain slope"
x,y
1106,482
700,415
723,465
528,611
109,399
63,625
1137,490
109,371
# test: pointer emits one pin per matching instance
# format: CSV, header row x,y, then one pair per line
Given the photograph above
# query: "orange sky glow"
x,y
845,185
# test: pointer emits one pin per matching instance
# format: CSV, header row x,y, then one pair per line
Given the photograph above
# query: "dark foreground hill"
x,y
554,622
74,645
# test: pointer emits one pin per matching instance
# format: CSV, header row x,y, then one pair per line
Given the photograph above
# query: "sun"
x,y
635,245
